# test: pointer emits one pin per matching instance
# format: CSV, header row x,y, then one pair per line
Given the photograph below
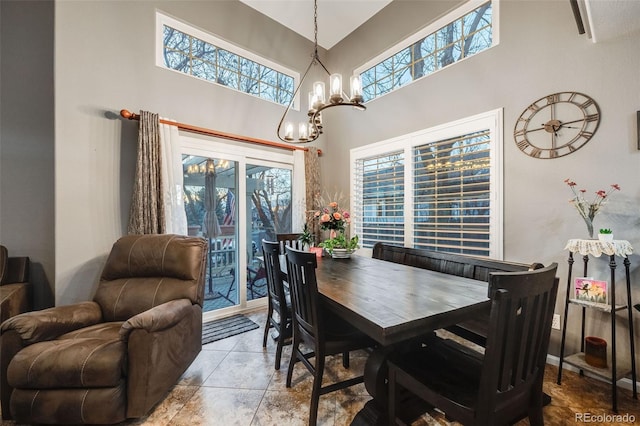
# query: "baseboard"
x,y
624,383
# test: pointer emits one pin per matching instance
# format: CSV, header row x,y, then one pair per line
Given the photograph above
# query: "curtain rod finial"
x,y
127,114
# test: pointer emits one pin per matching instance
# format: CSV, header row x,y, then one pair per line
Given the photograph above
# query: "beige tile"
x,y
164,412
243,370
219,406
292,408
202,367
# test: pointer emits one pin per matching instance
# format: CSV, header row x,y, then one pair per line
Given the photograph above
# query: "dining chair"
x,y
324,334
290,240
504,384
279,301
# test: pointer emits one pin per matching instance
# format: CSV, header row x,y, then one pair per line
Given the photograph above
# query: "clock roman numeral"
x,y
586,104
536,152
592,117
553,153
533,107
519,132
523,144
585,134
552,99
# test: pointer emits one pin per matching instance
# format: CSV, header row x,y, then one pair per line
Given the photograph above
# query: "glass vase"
x,y
589,223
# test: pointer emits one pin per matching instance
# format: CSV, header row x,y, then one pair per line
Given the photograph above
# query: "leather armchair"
x,y
15,294
115,357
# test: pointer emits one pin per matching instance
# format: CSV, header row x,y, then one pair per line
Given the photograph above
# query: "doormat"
x,y
226,327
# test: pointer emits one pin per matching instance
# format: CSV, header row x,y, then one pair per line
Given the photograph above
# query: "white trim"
x,y
163,19
492,120
432,28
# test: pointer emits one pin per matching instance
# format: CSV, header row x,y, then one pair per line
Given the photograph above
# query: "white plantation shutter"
x,y
452,197
379,199
436,189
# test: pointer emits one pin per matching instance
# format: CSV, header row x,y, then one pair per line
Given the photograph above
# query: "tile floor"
x,y
233,382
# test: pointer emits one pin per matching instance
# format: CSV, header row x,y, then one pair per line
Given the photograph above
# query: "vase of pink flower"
x,y
336,220
589,210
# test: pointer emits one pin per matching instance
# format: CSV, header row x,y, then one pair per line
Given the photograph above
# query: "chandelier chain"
x,y
315,27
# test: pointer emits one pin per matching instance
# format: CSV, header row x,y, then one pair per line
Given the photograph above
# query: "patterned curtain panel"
x,y
147,214
312,176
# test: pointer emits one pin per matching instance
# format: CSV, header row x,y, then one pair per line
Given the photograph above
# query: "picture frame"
x,y
638,127
589,290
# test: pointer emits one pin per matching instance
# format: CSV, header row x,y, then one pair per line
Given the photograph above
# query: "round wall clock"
x,y
557,125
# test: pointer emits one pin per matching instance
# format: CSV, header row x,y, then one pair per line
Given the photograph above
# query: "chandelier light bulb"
x,y
288,131
356,89
302,131
335,88
318,89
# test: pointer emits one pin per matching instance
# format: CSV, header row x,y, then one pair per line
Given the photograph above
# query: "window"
x,y
438,189
456,36
380,182
188,50
452,194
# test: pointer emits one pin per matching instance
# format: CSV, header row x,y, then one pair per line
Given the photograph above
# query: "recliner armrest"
x,y
47,324
157,318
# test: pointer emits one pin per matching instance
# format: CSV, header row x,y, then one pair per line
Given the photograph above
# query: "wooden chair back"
x,y
301,274
275,284
289,240
518,340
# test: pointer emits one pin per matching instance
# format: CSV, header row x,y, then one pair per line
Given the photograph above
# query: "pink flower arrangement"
x,y
588,210
333,217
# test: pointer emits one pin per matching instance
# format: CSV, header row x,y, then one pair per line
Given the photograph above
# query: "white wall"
x,y
540,53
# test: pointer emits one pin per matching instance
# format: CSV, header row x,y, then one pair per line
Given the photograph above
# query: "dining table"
x,y
396,305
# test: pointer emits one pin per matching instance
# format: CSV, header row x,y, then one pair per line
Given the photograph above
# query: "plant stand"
x,y
613,371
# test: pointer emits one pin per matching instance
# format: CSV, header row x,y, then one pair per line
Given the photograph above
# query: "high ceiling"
x,y
608,19
336,18
604,19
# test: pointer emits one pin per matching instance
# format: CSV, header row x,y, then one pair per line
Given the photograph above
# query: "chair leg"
x,y
315,393
345,359
293,360
279,349
267,326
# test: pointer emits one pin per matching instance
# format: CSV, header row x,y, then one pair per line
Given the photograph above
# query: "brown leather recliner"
x,y
114,357
15,290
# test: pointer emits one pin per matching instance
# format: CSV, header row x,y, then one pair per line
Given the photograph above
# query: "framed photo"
x,y
591,290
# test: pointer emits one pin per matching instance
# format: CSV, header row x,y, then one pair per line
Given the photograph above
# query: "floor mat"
x,y
226,327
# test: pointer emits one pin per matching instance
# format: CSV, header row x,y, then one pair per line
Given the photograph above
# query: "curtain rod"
x,y
203,131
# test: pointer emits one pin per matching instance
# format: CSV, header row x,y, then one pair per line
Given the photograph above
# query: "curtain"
x,y
312,179
172,180
147,215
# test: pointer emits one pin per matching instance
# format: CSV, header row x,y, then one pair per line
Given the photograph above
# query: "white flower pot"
x,y
605,238
341,253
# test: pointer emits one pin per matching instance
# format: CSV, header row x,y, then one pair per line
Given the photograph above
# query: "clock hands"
x,y
553,127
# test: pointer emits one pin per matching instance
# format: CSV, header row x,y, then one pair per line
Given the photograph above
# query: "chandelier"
x,y
310,130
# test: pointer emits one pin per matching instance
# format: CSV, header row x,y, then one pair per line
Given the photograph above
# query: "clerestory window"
x,y
457,36
193,52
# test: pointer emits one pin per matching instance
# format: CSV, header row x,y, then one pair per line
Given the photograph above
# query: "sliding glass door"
x,y
234,201
270,194
210,188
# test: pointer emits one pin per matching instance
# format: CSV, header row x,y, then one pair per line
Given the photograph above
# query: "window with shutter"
x,y
438,189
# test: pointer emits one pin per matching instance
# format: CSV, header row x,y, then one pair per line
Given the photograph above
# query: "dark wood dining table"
x,y
393,303
396,305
